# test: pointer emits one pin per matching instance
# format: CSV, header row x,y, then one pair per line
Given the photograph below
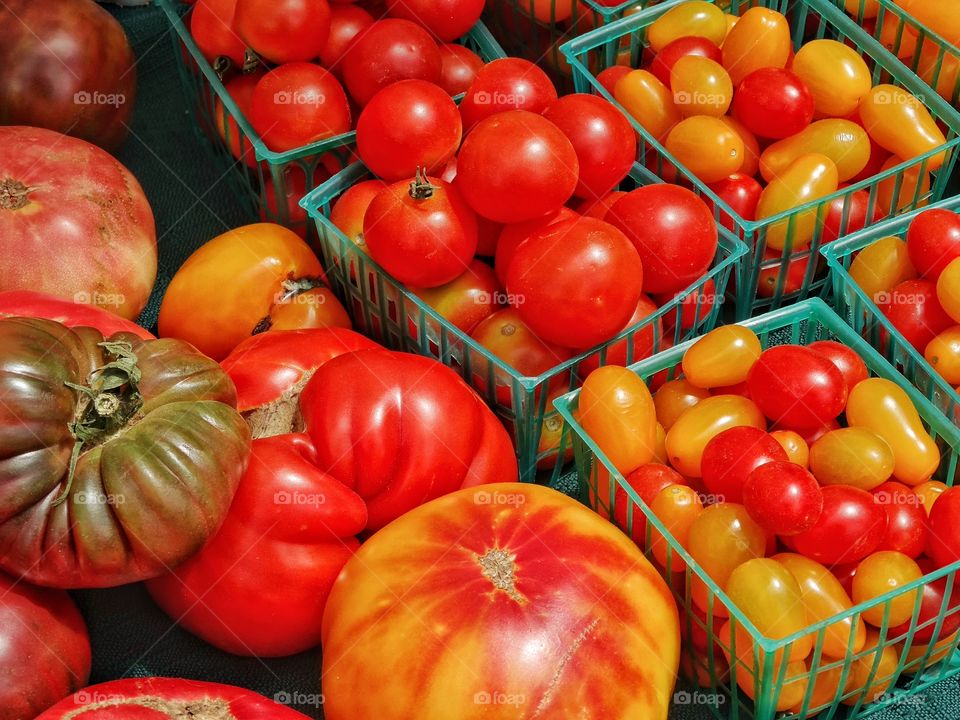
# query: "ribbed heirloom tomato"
x,y
463,583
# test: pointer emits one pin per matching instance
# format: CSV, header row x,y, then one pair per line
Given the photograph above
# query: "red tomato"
x,y
742,193
730,457
933,241
850,527
598,207
848,214
643,340
513,234
458,69
211,27
506,84
943,540
576,283
516,166
609,77
26,303
445,19
283,31
935,603
694,307
604,140
808,435
386,52
346,22
464,301
674,232
773,103
906,518
240,89
848,362
664,60
783,498
792,277
422,233
409,125
297,104
797,386
914,309
294,186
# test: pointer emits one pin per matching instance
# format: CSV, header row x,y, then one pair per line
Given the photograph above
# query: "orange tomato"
x,y
908,184
314,308
855,456
900,123
747,671
674,398
937,15
869,676
943,353
826,688
880,267
929,492
808,178
862,8
697,18
836,75
882,572
948,289
722,357
843,141
690,434
751,146
617,412
677,507
707,147
700,86
794,445
760,39
648,101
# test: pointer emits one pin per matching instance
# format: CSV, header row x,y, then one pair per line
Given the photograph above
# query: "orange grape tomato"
x,y
751,146
792,689
722,357
617,412
704,421
707,147
943,353
760,39
929,492
869,678
838,78
826,688
939,16
660,451
897,36
696,18
948,289
843,141
676,506
909,186
648,101
854,456
882,572
808,178
822,597
674,398
938,70
862,8
700,86
942,649
880,267
882,406
768,594
794,445
900,123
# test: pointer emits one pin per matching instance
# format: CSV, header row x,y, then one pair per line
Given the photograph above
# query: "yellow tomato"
x,y
843,141
940,16
704,421
707,147
808,178
676,397
696,18
700,86
677,507
617,412
948,289
880,267
660,451
826,688
870,677
744,666
899,122
761,39
943,353
882,572
909,186
836,75
854,456
648,101
751,146
929,492
862,8
794,446
722,357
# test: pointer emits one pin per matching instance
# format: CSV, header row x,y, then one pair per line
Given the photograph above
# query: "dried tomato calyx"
x,y
14,194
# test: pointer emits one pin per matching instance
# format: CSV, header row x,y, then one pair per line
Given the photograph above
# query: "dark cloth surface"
x,y
192,203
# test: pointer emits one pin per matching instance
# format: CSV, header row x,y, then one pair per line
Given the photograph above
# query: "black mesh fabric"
x,y
130,635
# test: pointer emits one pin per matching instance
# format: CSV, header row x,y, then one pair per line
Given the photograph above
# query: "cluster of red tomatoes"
x,y
916,284
731,101
795,516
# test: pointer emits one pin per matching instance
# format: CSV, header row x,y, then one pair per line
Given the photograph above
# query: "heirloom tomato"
x,y
27,303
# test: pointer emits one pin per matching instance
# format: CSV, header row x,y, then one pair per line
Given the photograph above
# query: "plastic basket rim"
x,y
479,32
812,309
898,70
733,248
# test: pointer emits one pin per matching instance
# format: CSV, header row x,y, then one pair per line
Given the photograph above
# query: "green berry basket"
x,y
270,184
385,310
917,666
809,20
861,311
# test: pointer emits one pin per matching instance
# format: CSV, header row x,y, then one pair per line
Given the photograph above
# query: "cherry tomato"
x,y
843,141
782,497
297,104
348,211
915,311
386,52
283,31
791,680
808,178
692,309
240,90
700,86
598,207
516,166
943,540
617,412
604,140
642,342
346,22
794,445
676,506
880,267
948,289
899,122
943,354
906,519
695,18
409,125
722,357
850,527
732,456
928,493
648,101
935,602
459,66
609,77
835,74
788,278
854,456
707,147
687,46
848,362
506,84
467,299
870,677
751,146
933,241
848,214
911,189
673,398
882,572
760,39
647,481
742,193
797,386
773,103
694,429
672,230
826,690
823,597
445,19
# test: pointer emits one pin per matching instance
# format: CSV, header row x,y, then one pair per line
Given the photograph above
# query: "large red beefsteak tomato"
x,y
27,303
74,222
260,585
402,429
121,455
44,648
159,698
504,601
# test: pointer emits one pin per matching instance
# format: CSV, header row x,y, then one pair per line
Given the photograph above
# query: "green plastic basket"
x,y
383,309
809,19
801,323
258,188
861,311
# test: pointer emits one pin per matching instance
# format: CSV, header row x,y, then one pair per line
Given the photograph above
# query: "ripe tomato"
x,y
906,519
617,411
900,123
915,311
935,603
751,146
641,344
700,86
880,267
797,386
604,140
836,75
445,19
648,101
741,192
506,84
459,66
422,233
675,397
933,242
928,492
943,354
848,362
768,594
810,177
731,457
760,39
516,166
576,283
795,446
773,103
407,126
943,540
782,497
850,527
702,19
688,438
513,234
686,46
672,230
854,456
240,90
647,481
707,147
346,22
609,77
848,214
285,31
27,303
297,104
211,27
902,190
882,572
693,308
843,141
386,52
350,208
948,289
464,301
676,506
722,357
